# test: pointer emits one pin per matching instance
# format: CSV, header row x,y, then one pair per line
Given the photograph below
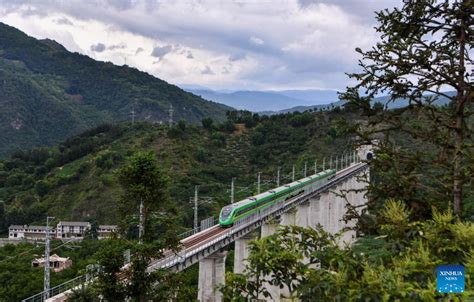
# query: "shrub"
x,y
42,187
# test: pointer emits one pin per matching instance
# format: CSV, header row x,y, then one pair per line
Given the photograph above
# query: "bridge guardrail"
x,y
174,259
58,289
205,224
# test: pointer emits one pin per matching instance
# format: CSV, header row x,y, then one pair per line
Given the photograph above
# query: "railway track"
x,y
201,238
207,235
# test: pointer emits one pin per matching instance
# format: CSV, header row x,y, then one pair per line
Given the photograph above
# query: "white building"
x,y
31,232
72,229
64,230
106,231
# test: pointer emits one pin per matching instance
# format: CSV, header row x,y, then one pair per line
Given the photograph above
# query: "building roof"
x,y
74,223
108,226
15,226
29,227
52,258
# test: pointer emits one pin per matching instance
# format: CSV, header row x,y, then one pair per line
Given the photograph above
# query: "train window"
x,y
225,213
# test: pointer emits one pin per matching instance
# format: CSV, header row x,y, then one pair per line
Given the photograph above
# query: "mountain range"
x,y
270,102
267,100
48,94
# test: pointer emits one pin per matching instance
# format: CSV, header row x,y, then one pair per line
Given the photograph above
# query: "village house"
x,y
29,232
72,229
55,262
106,231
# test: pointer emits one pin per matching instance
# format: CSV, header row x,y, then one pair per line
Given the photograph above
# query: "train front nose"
x,y
224,217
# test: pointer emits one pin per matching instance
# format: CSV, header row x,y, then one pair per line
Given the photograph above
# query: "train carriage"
x,y
231,213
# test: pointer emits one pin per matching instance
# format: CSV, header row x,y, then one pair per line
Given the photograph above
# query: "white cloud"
x,y
256,40
243,45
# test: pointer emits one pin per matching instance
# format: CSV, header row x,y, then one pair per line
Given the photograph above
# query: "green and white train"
x,y
231,213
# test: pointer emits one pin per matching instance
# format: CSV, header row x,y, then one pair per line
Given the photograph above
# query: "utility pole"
x,y
141,227
258,182
316,167
132,113
278,177
46,259
293,174
170,113
324,163
305,168
195,207
336,163
232,191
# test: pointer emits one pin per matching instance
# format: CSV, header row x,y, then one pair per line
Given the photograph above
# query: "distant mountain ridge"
x,y
48,93
384,100
268,100
305,108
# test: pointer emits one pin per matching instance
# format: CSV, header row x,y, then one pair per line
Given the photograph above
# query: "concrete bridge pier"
x,y
268,229
241,252
303,215
314,211
211,274
288,218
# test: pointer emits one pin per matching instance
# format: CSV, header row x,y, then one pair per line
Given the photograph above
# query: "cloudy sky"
x,y
239,45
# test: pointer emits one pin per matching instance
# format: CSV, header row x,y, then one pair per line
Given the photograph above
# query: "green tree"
x,y
146,185
82,294
207,123
423,53
398,265
109,283
182,125
228,126
42,188
144,182
92,232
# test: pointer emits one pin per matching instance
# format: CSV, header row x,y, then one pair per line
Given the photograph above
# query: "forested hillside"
x,y
77,179
48,94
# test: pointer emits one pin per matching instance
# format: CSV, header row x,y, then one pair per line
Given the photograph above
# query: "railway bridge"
x,y
325,205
